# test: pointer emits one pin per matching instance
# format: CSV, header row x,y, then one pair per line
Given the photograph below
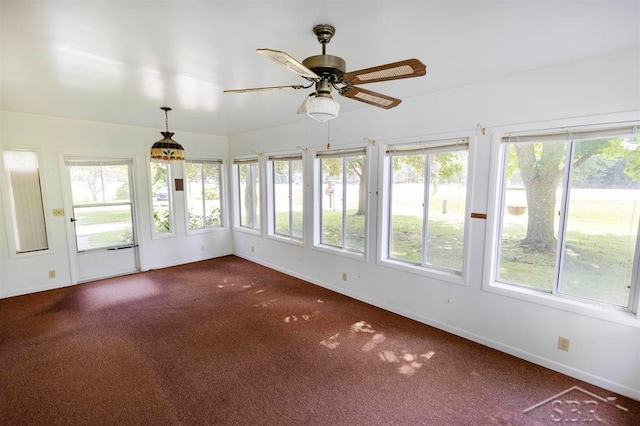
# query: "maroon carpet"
x,y
227,341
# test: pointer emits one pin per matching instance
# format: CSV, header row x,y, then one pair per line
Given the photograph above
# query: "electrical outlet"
x,y
253,249
563,344
202,248
344,276
52,273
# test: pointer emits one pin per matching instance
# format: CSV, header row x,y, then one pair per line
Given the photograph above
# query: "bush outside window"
x,y
161,197
204,194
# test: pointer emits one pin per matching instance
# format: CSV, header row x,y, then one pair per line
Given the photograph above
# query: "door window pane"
x,y
102,204
103,226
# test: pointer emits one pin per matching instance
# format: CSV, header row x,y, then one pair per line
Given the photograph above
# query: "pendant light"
x,y
166,148
322,107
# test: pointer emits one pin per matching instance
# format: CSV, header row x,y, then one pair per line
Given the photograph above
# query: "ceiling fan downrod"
x,y
324,33
328,67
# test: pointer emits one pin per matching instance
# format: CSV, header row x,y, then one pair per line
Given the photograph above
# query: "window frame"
x,y
223,219
434,145
235,171
319,193
5,184
601,310
271,213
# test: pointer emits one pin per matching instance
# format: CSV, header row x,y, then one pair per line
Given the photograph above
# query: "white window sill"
x,y
206,230
286,240
341,252
596,310
441,275
250,231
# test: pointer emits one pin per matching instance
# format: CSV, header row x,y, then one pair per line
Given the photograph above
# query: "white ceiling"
x,y
119,61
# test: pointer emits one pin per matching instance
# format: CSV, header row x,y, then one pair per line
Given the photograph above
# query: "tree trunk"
x,y
541,203
541,177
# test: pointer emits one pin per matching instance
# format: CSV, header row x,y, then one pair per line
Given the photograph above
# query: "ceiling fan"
x,y
328,71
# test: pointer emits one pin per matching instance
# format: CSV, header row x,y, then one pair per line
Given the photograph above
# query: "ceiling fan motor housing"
x,y
326,66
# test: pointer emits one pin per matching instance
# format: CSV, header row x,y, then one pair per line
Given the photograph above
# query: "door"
x,y
103,218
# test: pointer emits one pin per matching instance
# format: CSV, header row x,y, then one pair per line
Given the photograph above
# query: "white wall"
x,y
605,349
57,136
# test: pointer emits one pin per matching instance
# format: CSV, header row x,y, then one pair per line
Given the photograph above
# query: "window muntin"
x,y
427,192
343,199
204,194
28,223
248,193
287,196
570,205
161,199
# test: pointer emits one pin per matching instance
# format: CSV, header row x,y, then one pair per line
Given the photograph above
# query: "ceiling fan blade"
x,y
261,89
369,97
289,62
394,71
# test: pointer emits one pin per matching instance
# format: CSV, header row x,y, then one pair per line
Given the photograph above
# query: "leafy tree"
x,y
158,175
542,167
96,178
444,167
333,167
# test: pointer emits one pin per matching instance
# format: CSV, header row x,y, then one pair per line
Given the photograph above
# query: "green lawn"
x,y
597,260
94,215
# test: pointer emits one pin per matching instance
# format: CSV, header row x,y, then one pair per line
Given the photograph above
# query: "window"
x,y
287,196
204,194
161,197
570,205
247,177
103,210
28,224
343,199
427,190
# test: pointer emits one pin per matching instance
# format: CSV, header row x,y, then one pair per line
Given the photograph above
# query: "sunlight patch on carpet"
x,y
304,317
331,342
100,296
410,362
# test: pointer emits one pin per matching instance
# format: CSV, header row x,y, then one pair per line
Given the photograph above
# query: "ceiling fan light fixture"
x,y
322,108
166,148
